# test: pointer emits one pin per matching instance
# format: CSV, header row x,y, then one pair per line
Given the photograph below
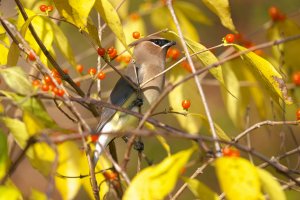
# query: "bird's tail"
x,y
102,142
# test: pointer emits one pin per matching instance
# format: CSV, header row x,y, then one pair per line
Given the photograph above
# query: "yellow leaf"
x,y
238,178
68,165
82,8
266,73
270,186
222,10
111,17
32,124
9,192
13,55
157,181
4,45
200,190
37,195
206,58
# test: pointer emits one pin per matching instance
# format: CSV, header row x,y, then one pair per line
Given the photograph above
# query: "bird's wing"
x,y
120,93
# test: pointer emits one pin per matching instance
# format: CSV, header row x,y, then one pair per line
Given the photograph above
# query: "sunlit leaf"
x,y
270,186
82,8
13,55
157,181
238,178
232,99
4,161
42,28
4,46
288,52
68,165
265,72
222,10
40,155
9,192
192,12
16,79
37,195
200,190
71,15
207,58
111,17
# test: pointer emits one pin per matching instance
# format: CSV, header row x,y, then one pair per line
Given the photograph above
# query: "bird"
x,y
148,60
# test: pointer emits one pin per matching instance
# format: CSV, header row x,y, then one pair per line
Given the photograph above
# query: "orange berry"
x,y
50,8
60,92
94,137
31,56
66,71
58,80
79,68
78,83
110,50
298,114
43,8
230,152
174,53
186,104
54,89
92,71
113,53
276,14
229,38
136,35
134,16
36,83
296,78
119,58
101,51
55,73
101,75
110,175
47,80
45,87
126,59
186,66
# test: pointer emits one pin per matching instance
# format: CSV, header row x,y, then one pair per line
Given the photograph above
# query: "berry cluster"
x,y
45,8
112,52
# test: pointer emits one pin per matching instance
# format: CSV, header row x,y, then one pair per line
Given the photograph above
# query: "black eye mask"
x,y
160,42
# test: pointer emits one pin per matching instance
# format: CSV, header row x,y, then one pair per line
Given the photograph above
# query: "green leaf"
x,y
13,55
157,181
192,12
16,79
4,161
266,74
33,106
10,192
111,17
222,10
82,8
200,190
238,178
270,186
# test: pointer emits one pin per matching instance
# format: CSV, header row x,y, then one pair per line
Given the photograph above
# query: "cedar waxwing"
x,y
149,57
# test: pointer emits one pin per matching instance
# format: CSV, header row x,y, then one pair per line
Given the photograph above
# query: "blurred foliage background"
x,y
249,17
